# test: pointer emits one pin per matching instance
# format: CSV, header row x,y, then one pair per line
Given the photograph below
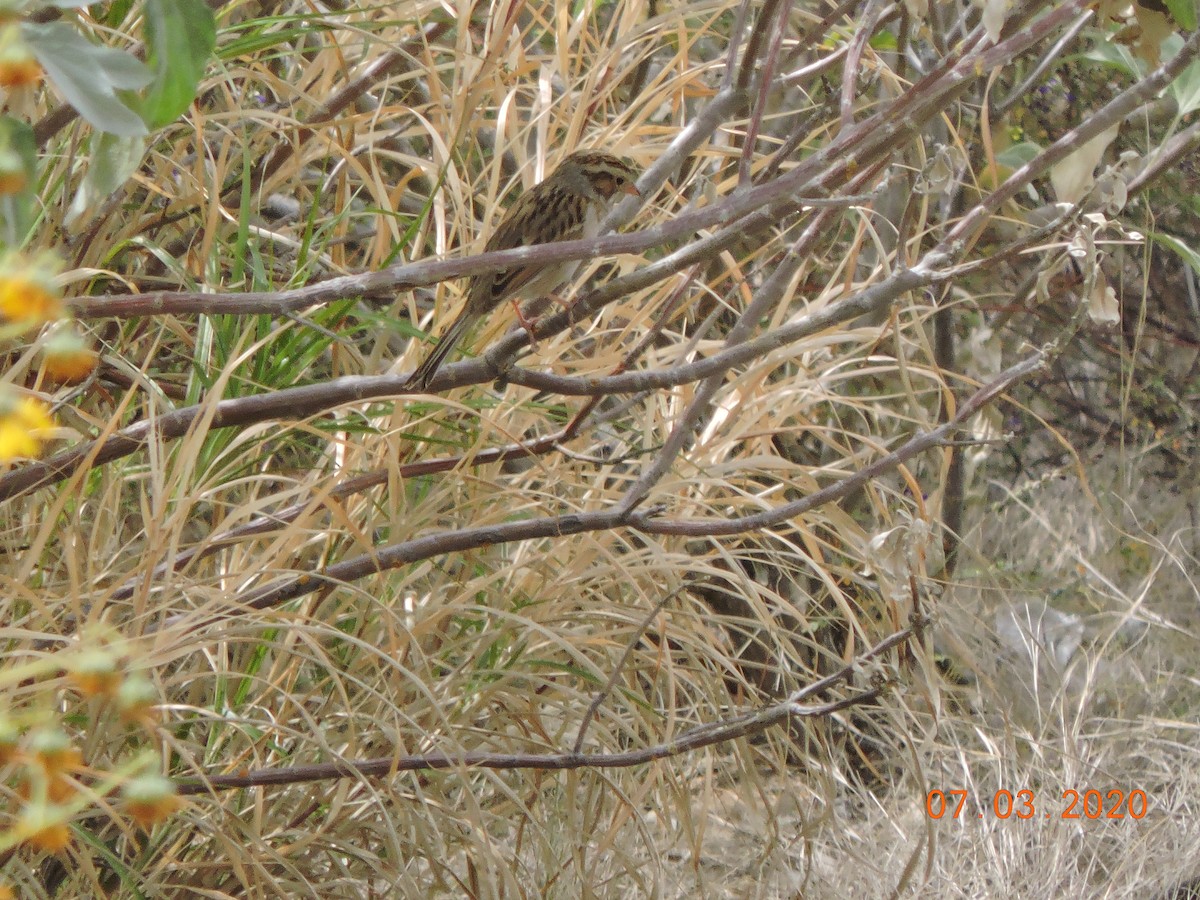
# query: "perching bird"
x,y
564,207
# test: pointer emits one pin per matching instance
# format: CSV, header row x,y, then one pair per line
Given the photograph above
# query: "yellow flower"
x,y
53,751
136,698
10,740
28,294
24,299
45,828
23,426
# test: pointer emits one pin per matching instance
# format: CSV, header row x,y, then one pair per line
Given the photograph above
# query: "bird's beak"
x,y
632,190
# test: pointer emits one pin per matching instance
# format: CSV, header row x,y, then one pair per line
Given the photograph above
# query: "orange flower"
x,y
12,183
67,360
150,799
13,176
19,73
18,67
46,827
95,673
57,788
51,839
136,699
53,750
10,739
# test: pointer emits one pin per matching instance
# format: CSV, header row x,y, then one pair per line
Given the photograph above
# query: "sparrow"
x,y
566,206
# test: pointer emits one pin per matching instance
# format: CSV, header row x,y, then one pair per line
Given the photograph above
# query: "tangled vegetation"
x,y
834,534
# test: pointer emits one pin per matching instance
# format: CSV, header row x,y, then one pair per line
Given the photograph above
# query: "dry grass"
x,y
501,647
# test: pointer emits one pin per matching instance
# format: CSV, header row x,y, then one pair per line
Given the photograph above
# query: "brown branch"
x,y
759,201
851,484
382,559
270,521
706,735
1180,146
602,694
754,47
876,13
766,79
765,298
866,143
296,403
1112,113
388,64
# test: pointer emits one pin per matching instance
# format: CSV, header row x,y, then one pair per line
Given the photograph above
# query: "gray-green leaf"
x,y
89,75
114,158
17,145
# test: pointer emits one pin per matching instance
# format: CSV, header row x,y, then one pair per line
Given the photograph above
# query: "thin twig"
x,y
705,735
602,694
382,559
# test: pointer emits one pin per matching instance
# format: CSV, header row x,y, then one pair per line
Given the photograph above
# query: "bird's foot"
x,y
526,324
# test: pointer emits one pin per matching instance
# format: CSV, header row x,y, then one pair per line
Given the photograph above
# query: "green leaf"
x,y
1117,56
884,40
257,39
181,35
1184,13
1018,154
88,75
116,13
1186,88
1179,248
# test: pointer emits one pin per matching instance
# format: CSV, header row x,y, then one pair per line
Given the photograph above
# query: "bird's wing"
x,y
537,217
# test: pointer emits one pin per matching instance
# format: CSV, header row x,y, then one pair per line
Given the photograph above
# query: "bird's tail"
x,y
423,377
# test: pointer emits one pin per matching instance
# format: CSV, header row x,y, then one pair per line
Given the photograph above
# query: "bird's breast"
x,y
591,221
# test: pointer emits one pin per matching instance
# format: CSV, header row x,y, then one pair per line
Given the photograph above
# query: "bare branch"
x,y
754,722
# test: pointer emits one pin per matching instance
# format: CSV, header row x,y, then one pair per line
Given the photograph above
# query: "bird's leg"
x,y
539,309
526,324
